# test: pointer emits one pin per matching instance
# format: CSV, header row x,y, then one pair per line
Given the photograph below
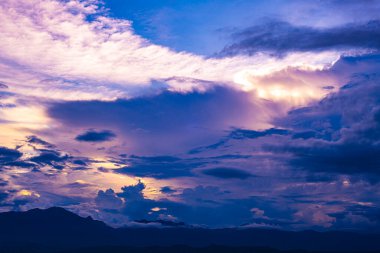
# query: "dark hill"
x,y
53,227
58,229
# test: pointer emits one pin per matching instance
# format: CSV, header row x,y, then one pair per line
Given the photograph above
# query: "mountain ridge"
x,y
56,228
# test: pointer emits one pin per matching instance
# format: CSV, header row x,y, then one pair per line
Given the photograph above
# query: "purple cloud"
x,y
96,136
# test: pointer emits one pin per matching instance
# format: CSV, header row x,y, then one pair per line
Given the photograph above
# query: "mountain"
x,y
52,228
55,228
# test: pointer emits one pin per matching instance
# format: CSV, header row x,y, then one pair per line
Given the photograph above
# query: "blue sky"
x,y
181,24
211,113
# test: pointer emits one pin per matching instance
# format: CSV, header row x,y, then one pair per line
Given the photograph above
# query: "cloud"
x,y
133,192
251,134
240,134
3,196
108,200
73,50
258,213
3,86
167,190
280,38
50,157
315,215
166,121
96,136
3,182
332,13
75,55
201,205
171,167
227,173
203,194
344,129
80,184
35,140
136,206
344,158
337,135
9,155
86,70
160,166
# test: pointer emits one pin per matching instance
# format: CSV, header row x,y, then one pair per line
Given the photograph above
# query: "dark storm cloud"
x,y
227,173
133,192
280,37
82,162
136,205
251,134
341,133
161,166
50,157
21,164
96,136
167,190
240,134
46,156
9,155
35,140
343,158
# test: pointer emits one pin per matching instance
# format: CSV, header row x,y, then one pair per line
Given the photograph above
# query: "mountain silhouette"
x,y
52,228
55,229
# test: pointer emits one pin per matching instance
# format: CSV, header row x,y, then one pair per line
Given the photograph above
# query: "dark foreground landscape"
x,y
58,230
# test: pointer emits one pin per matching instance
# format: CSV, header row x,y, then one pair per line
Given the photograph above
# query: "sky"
x,y
214,113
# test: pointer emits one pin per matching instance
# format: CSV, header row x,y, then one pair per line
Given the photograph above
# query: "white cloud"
x,y
103,59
